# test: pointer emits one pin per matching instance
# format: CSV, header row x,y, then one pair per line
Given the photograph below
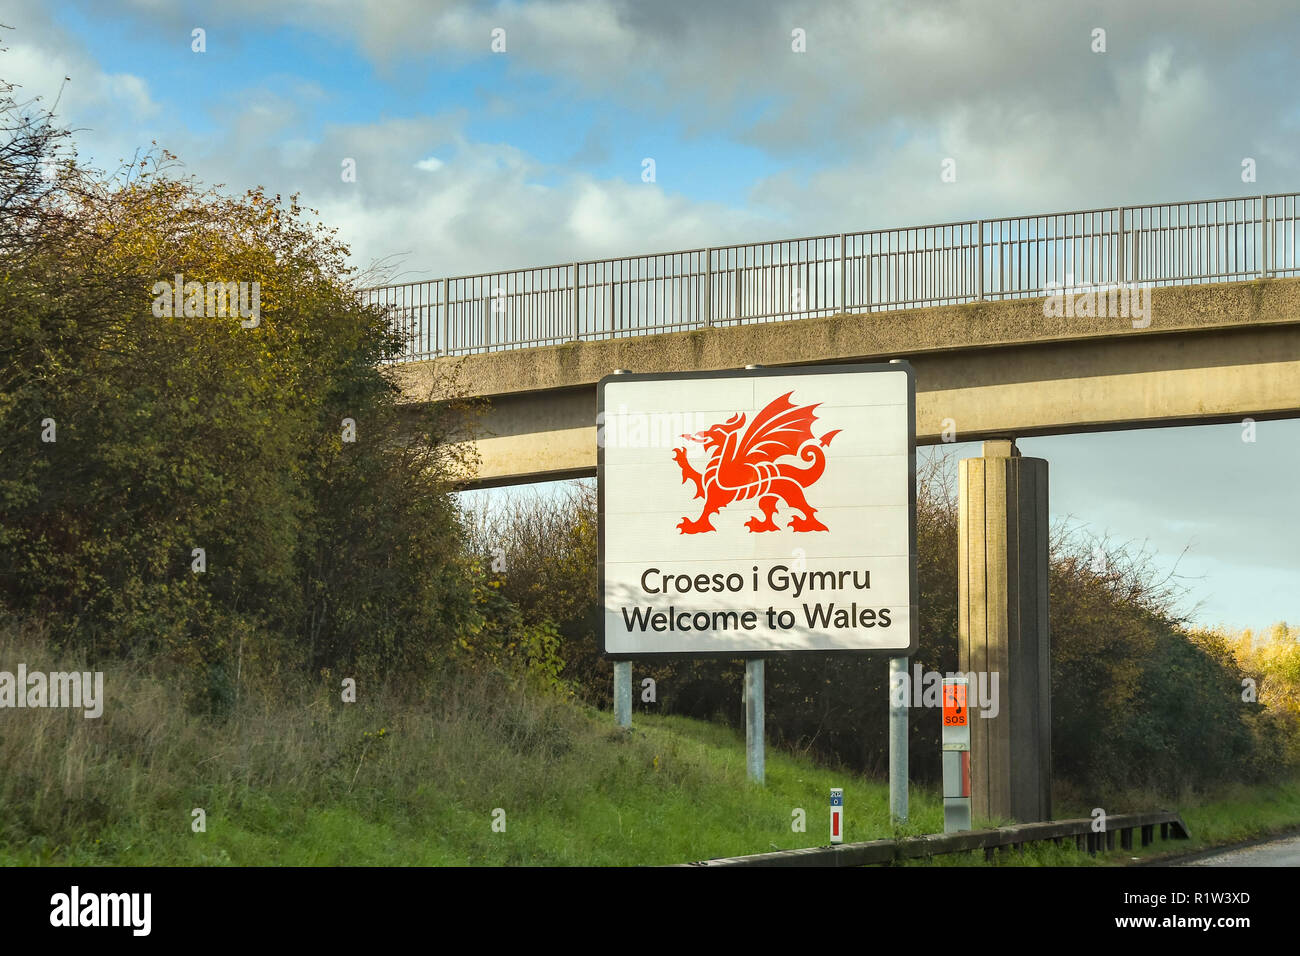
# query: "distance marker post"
x,y
837,815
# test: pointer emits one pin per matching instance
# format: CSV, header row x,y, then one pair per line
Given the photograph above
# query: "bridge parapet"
x,y
883,270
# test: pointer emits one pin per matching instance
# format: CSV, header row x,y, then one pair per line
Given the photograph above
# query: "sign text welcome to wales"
x,y
758,511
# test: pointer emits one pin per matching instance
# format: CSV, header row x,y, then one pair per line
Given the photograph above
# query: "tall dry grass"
x,y
150,759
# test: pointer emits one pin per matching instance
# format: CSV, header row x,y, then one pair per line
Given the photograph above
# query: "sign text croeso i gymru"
x,y
786,522
779,579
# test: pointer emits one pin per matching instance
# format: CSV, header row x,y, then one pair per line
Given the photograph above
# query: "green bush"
x,y
172,434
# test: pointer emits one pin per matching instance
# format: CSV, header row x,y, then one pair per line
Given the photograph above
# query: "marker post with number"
x,y
837,815
956,755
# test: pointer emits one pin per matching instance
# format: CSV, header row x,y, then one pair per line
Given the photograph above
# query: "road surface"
x,y
1285,852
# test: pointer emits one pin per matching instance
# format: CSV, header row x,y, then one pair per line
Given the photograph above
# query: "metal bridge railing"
x,y
1215,240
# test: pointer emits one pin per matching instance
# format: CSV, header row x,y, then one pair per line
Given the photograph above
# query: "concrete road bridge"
x,y
1127,317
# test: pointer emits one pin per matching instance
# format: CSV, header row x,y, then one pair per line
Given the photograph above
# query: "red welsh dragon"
x,y
744,467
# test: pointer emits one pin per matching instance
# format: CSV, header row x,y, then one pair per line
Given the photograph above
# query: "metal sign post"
x,y
623,693
837,815
897,742
956,755
754,719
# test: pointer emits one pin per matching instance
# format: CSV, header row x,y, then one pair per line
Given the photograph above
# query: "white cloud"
x,y
859,124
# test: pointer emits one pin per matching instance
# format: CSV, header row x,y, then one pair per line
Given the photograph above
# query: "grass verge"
x,y
394,779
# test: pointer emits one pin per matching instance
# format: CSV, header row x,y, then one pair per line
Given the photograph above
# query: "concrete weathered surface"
x,y
1213,352
1002,629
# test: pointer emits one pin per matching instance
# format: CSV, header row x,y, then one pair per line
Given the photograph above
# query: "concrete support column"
x,y
1003,630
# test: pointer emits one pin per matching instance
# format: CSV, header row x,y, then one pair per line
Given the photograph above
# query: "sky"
x,y
469,159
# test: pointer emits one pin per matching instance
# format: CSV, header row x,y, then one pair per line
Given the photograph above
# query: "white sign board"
x,y
758,511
